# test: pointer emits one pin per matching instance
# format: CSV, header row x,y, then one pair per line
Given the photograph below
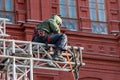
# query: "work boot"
x,y
58,57
51,64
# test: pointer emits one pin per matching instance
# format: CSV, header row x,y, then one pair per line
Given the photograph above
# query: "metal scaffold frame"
x,y
21,57
3,27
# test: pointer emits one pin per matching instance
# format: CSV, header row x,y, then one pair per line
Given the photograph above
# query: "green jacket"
x,y
51,25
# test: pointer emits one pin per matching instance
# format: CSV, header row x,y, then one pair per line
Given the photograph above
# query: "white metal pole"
x,y
4,25
14,69
8,73
4,48
31,68
30,47
13,46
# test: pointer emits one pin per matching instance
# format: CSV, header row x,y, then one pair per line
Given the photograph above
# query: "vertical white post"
x,y
14,69
5,20
81,55
4,26
1,22
8,74
30,47
31,68
31,62
4,48
13,46
38,51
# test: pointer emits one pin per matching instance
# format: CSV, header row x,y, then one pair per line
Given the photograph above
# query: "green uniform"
x,y
51,25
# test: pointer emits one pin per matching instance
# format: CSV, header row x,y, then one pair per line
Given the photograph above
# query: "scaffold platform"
x,y
19,58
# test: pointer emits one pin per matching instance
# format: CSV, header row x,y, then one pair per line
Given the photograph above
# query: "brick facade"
x,y
101,52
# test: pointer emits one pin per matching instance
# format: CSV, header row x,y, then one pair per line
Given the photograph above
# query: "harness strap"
x,y
40,32
43,35
48,39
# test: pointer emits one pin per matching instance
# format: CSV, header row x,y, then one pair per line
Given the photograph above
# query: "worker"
x,y
49,32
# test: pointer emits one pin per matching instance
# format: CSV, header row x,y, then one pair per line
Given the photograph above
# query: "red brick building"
x,y
92,24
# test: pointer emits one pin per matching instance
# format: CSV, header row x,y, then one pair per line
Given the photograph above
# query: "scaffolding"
x,y
19,58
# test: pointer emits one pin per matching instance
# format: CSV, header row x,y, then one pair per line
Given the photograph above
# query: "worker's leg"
x,y
40,40
60,41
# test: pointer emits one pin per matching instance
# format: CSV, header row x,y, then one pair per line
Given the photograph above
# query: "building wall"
x,y
101,52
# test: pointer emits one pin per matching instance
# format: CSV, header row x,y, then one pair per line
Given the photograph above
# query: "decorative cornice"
x,y
106,57
91,35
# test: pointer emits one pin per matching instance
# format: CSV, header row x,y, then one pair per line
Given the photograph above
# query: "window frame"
x,y
67,15
97,10
98,22
9,14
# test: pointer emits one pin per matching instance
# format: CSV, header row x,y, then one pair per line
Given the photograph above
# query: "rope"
x,y
70,64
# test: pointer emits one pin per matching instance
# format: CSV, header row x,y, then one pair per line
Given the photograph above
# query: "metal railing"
x,y
19,58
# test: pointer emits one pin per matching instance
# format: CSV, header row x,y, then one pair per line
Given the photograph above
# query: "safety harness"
x,y
42,34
